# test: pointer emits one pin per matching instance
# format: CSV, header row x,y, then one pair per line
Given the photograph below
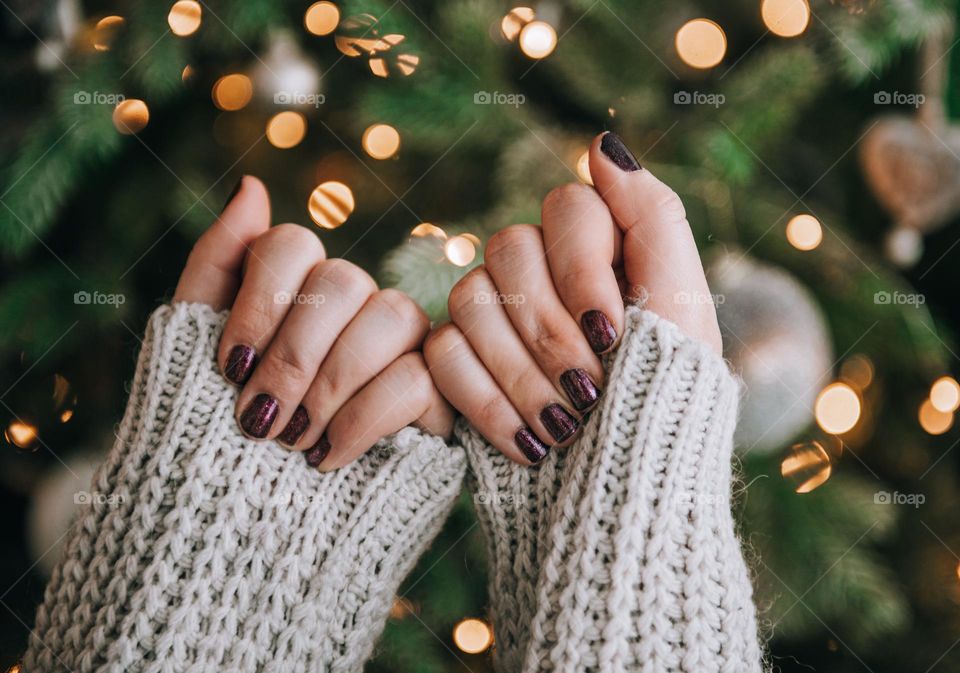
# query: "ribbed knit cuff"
x,y
625,540
205,551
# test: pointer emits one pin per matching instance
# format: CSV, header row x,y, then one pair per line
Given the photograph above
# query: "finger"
x,y
212,273
483,321
333,292
661,259
464,381
401,394
387,326
517,262
278,264
581,241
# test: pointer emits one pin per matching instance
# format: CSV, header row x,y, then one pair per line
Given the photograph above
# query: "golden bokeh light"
x,y
286,129
105,32
21,434
428,229
804,232
945,394
131,116
460,250
837,408
321,18
472,636
858,370
330,204
806,466
786,18
472,238
701,43
538,39
583,168
934,421
187,74
66,415
381,141
514,21
184,17
232,92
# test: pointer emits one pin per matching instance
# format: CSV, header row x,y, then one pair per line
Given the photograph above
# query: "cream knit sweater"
x,y
208,552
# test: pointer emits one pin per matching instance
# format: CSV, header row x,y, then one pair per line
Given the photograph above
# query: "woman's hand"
x,y
328,363
520,358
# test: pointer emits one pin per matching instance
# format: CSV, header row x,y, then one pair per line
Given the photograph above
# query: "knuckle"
x,y
510,242
491,412
416,386
345,276
669,205
463,295
440,343
562,198
290,236
286,362
404,310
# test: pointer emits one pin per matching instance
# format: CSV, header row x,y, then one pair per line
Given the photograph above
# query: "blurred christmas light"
x,y
187,73
472,636
904,246
858,371
286,129
66,415
131,116
514,21
806,466
232,92
473,239
330,204
837,408
401,608
538,39
786,18
358,35
14,669
583,167
321,18
106,31
184,17
427,229
21,434
934,421
460,250
804,232
701,43
406,64
945,394
381,141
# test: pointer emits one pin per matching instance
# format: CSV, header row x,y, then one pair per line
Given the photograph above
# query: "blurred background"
x,y
813,144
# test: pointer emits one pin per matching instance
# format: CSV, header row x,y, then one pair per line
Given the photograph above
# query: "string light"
x,y
804,232
330,204
945,394
807,466
321,18
473,239
837,408
583,168
472,636
381,141
131,116
514,21
184,17
701,43
459,250
786,18
232,92
538,39
934,421
286,129
427,229
21,434
187,74
105,31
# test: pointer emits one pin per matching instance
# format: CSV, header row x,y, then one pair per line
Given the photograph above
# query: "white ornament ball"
x,y
285,76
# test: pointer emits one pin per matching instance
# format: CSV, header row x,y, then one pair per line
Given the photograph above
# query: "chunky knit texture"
x,y
203,551
619,553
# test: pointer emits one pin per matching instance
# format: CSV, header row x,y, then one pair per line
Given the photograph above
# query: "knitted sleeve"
x,y
204,551
619,553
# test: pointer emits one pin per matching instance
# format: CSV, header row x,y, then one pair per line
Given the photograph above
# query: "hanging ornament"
x,y
285,75
775,337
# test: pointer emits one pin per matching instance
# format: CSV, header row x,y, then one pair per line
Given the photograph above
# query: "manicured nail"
x,y
599,330
558,422
240,364
316,453
259,416
298,424
233,193
580,387
530,445
612,145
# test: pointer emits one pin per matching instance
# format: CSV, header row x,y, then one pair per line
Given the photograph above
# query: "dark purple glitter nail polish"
x,y
530,445
598,330
613,146
580,387
240,364
316,453
558,422
298,424
259,416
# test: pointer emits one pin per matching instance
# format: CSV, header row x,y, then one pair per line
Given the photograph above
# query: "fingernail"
x,y
530,445
233,193
612,145
240,364
316,453
298,424
558,422
599,330
580,387
259,416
